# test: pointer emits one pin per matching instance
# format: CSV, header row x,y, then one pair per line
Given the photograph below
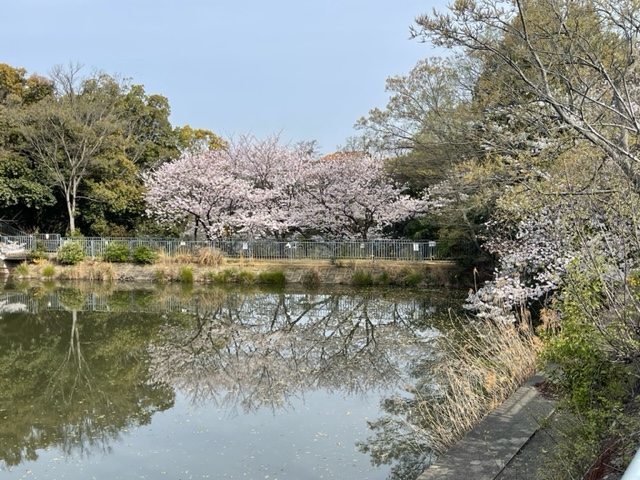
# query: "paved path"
x,y
489,450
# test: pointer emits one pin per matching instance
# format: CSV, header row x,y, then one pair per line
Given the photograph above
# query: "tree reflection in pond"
x,y
258,350
79,367
74,380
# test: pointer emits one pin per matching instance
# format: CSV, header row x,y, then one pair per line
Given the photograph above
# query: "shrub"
x,y
186,275
117,252
362,279
144,255
585,358
275,277
70,253
38,255
48,270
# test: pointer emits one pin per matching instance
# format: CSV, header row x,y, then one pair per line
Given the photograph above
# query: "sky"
x,y
303,69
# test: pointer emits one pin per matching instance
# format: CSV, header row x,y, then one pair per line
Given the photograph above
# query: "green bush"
x,y
144,255
117,252
186,275
276,277
39,254
585,367
362,279
70,253
48,270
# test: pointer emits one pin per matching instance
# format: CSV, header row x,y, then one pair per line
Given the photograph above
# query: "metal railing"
x,y
262,249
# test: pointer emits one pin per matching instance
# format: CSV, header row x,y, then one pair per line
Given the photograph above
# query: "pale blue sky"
x,y
308,69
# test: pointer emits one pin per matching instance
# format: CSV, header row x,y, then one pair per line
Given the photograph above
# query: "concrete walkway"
x,y
489,450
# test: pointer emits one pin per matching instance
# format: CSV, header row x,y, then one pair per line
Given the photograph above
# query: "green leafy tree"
x,y
23,194
555,66
67,134
197,140
73,149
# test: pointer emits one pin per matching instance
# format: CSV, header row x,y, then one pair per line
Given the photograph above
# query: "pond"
x,y
142,381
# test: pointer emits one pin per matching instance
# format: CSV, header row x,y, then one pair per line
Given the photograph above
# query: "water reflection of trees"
x,y
74,381
258,350
80,368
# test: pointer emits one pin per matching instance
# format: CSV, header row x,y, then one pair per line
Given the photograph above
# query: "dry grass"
x,y
209,257
204,256
90,270
481,365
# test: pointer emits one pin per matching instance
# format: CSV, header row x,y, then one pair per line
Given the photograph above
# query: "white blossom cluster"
x,y
534,255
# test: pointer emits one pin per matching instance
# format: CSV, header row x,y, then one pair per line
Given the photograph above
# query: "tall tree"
x,y
68,133
558,65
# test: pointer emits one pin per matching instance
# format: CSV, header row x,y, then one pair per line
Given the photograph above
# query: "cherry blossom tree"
x,y
202,189
349,194
249,187
276,175
261,188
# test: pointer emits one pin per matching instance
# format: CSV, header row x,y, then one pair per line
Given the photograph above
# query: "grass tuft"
x,y
186,275
210,257
48,270
276,277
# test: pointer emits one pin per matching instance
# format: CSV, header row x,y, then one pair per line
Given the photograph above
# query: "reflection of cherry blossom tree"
x,y
259,351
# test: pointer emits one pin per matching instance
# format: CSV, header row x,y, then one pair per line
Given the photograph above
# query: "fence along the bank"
x,y
261,249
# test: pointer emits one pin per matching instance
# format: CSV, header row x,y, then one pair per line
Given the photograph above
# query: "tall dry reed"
x,y
479,366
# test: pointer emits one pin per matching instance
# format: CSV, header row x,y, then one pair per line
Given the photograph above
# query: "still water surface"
x,y
150,382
